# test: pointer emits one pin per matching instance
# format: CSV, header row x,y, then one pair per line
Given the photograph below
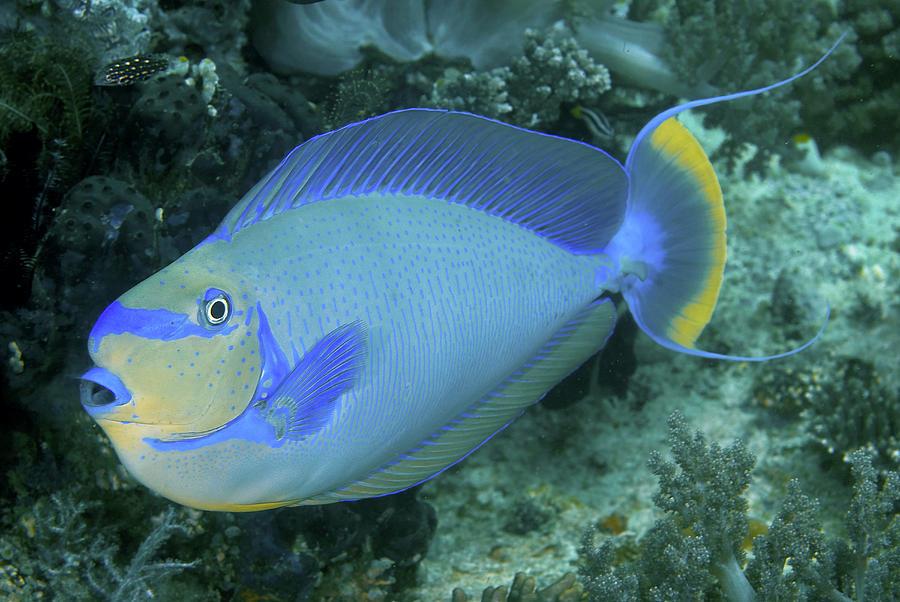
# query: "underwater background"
x,y
129,128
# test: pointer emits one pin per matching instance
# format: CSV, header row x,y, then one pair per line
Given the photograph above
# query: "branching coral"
x,y
56,553
697,544
553,70
697,552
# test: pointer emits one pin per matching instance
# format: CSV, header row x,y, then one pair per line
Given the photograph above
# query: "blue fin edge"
x,y
648,131
566,191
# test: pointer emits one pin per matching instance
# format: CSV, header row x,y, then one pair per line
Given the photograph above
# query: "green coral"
x,y
795,539
865,566
698,544
696,551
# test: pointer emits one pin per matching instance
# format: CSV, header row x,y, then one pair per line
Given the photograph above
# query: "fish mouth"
x,y
101,389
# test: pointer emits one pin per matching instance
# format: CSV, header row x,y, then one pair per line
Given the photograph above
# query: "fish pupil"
x,y
217,310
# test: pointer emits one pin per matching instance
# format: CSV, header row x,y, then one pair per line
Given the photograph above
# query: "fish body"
x,y
391,296
370,267
127,71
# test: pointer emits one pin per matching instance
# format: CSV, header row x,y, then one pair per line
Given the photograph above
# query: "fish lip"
x,y
112,392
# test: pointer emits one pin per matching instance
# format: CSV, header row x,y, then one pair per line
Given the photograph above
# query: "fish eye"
x,y
216,308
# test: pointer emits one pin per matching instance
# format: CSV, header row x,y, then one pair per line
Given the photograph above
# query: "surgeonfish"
x,y
392,295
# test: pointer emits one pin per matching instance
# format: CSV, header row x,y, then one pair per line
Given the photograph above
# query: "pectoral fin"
x,y
305,400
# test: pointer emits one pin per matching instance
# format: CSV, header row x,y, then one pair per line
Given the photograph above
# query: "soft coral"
x,y
697,548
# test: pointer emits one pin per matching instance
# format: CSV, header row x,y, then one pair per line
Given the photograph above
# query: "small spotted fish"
x,y
391,296
127,71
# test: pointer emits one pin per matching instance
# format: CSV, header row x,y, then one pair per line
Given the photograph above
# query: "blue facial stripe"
x,y
159,324
306,395
275,366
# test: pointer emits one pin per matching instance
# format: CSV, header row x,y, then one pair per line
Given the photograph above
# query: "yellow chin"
x,y
226,476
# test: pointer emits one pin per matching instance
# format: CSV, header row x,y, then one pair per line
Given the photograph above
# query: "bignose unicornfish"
x,y
392,295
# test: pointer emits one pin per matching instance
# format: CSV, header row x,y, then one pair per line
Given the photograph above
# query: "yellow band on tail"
x,y
672,140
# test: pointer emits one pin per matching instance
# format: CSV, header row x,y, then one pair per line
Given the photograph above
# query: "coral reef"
x,y
553,70
855,408
864,566
219,28
47,125
697,550
55,553
527,515
104,185
702,494
741,45
691,48
105,214
112,28
845,404
861,111
327,38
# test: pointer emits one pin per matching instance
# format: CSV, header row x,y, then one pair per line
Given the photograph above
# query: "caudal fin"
x,y
671,247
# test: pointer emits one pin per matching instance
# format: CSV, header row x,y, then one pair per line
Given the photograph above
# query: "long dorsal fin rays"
x,y
674,230
565,191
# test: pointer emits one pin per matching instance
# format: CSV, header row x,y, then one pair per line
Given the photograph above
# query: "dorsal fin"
x,y
566,191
